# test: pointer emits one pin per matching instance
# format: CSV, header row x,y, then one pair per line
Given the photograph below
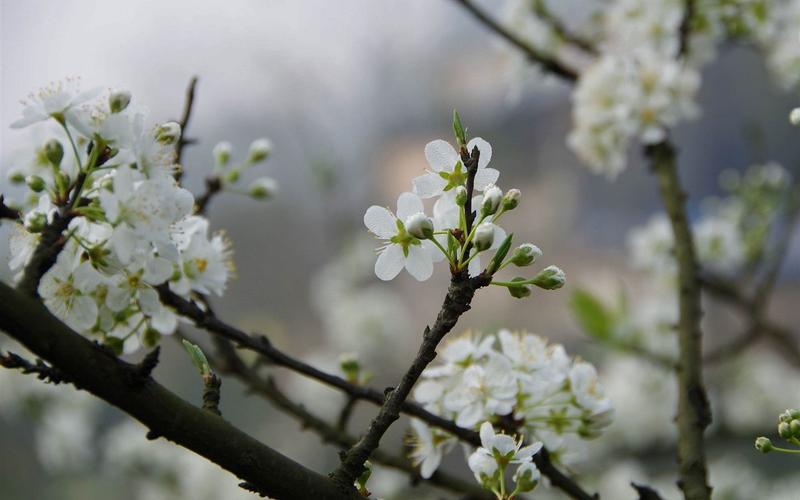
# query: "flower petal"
x,y
380,221
419,263
441,156
408,204
485,177
428,185
390,262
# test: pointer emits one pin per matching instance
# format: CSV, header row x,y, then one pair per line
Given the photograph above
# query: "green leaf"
x,y
500,254
198,358
592,315
458,129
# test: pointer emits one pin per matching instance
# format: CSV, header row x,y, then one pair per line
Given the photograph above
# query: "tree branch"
x,y
7,212
547,61
694,413
184,123
95,370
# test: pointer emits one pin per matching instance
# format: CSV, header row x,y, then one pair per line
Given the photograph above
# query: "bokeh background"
x,y
349,93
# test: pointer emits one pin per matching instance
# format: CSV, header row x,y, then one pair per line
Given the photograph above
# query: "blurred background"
x,y
349,93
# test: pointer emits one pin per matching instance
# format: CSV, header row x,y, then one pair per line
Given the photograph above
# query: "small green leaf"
x,y
592,315
198,358
500,254
458,129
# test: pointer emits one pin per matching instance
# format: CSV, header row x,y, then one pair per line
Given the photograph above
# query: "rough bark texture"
x,y
91,368
694,413
457,302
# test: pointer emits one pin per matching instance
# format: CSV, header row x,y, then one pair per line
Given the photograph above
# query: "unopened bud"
x,y
259,150
222,153
794,117
784,430
118,100
794,428
419,226
263,188
16,177
763,444
492,197
550,278
168,133
525,255
519,291
35,222
461,196
232,177
54,151
484,236
36,183
348,363
511,199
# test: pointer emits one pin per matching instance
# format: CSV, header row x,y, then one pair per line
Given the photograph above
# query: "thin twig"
x,y
184,123
213,186
543,13
547,61
7,212
42,370
694,412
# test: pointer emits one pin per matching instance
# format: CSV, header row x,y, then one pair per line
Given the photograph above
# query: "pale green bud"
x,y
54,151
492,197
525,255
764,445
511,199
461,196
550,278
260,150
118,100
784,430
419,226
36,183
222,153
36,222
348,363
16,177
484,236
519,291
168,133
794,428
794,117
263,188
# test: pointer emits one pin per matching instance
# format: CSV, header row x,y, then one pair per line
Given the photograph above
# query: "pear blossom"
x,y
448,172
428,447
504,448
401,248
66,290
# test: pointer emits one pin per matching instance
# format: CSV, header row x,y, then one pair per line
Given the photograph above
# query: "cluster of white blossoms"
x,y
642,81
461,229
527,385
131,226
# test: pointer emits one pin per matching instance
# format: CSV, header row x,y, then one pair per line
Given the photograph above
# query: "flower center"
x,y
458,177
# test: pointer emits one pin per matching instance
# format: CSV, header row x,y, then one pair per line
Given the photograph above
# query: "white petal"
x,y
157,271
118,298
441,156
499,235
148,302
485,177
434,252
390,262
380,221
408,204
474,267
487,435
484,147
430,464
419,263
528,451
470,415
428,185
84,312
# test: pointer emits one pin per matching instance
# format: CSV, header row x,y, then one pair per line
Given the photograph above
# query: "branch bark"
x,y
92,368
694,413
184,123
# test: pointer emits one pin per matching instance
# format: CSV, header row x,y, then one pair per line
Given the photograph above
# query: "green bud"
x,y
260,150
222,153
550,278
151,338
36,183
263,188
232,177
492,197
361,481
116,344
62,182
168,133
461,196
35,223
350,366
794,428
118,100
511,199
458,130
784,431
54,152
420,226
484,236
525,255
764,445
16,177
519,291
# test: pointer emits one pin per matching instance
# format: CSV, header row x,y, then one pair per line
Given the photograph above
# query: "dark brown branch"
x,y
645,492
7,212
42,370
685,29
213,186
558,27
547,61
694,412
44,257
95,370
457,302
184,123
